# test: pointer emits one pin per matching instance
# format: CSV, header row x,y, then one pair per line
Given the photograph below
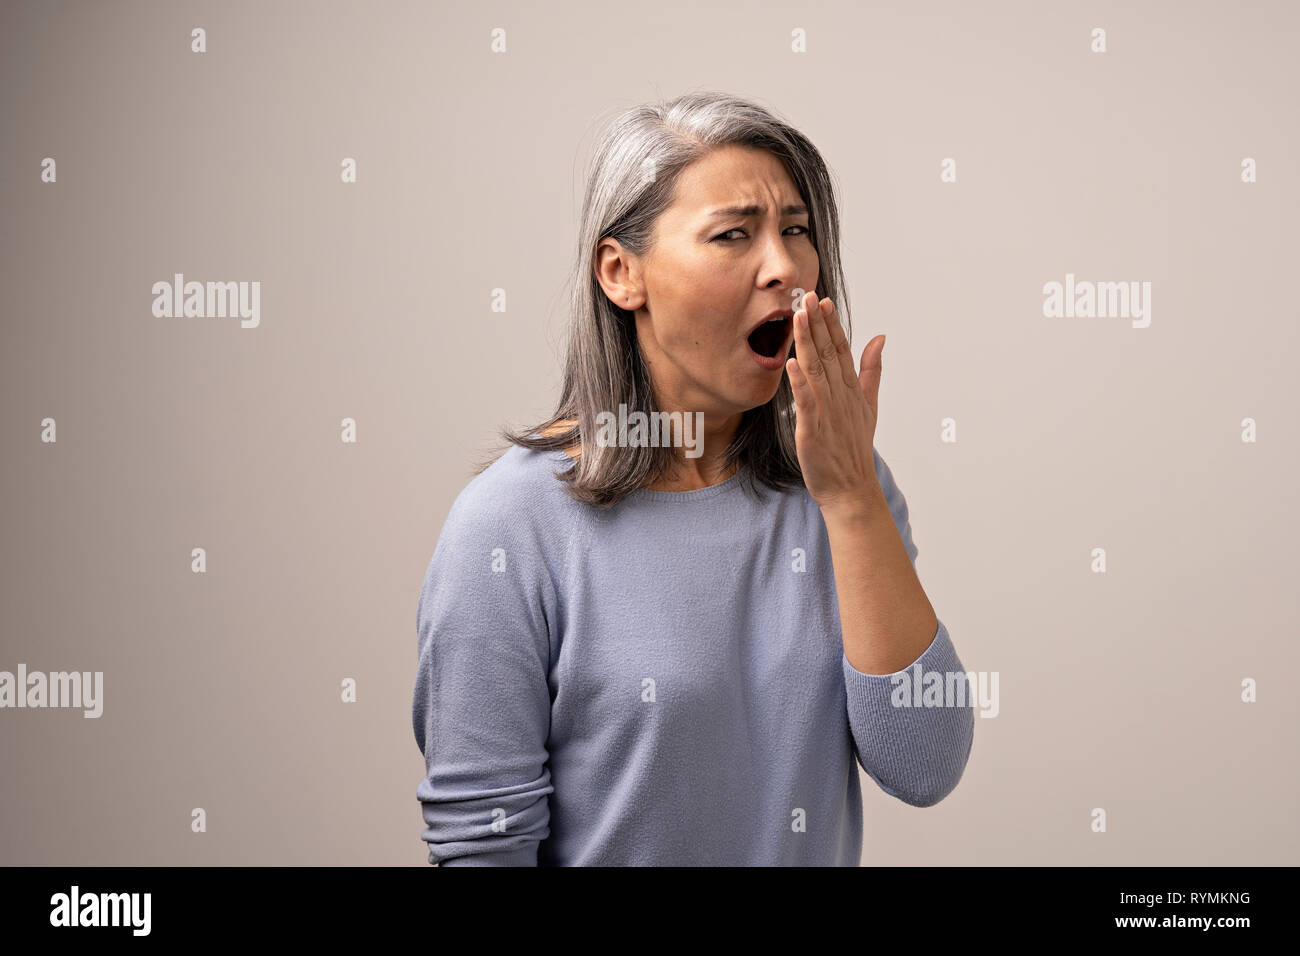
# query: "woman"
x,y
672,649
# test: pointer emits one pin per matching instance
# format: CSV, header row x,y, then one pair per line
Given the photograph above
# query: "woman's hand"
x,y
835,409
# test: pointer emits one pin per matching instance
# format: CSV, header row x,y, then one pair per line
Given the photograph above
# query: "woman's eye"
x,y
723,236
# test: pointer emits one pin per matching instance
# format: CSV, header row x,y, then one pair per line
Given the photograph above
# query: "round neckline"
x,y
694,494
653,494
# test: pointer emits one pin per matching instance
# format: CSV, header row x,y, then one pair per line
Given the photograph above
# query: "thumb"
x,y
869,377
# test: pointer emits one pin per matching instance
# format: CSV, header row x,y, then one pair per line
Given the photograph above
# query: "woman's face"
x,y
732,248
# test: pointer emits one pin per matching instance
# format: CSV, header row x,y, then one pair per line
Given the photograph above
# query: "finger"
x,y
836,332
869,378
827,354
805,350
805,406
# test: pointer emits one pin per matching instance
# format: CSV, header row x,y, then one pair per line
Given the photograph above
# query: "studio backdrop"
x,y
1075,222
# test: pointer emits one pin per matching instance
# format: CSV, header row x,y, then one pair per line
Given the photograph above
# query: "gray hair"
x,y
604,365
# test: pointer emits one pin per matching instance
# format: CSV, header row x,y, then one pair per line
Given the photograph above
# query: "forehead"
x,y
732,176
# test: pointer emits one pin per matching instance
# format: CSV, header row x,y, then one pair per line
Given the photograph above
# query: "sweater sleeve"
x,y
481,708
914,753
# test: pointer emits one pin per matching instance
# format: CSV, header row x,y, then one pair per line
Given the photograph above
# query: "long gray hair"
x,y
604,365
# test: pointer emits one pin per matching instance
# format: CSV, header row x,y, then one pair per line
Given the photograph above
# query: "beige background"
x,y
1118,690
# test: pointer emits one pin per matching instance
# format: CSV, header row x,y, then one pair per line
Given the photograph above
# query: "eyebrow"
x,y
754,211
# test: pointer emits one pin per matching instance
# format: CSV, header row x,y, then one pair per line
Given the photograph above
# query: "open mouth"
x,y
768,338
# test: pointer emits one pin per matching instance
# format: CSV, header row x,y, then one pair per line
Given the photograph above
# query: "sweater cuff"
x,y
520,856
913,749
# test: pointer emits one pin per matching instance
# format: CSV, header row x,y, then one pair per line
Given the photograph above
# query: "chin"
x,y
761,396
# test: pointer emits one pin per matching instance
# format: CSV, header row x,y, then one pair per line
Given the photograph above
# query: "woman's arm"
x,y
914,746
481,707
913,750
885,616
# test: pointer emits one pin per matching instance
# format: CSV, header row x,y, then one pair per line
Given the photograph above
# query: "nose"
x,y
778,265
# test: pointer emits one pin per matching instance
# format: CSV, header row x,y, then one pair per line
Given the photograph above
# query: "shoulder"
x,y
510,515
517,490
491,567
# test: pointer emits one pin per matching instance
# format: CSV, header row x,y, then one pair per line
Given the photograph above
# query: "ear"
x,y
617,272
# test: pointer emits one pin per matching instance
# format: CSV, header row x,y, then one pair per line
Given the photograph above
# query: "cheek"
x,y
810,270
708,304
707,320
713,326
719,310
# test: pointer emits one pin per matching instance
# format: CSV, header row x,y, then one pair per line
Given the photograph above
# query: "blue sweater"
x,y
662,683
